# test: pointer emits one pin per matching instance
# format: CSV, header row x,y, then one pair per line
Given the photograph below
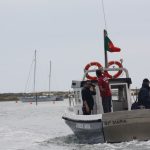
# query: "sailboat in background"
x,y
52,97
35,97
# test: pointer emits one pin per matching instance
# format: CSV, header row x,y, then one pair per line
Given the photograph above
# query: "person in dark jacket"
x,y
144,94
87,96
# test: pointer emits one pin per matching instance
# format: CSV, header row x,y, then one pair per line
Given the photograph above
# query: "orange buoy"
x,y
118,73
87,68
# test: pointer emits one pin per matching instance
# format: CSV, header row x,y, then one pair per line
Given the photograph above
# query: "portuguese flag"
x,y
109,46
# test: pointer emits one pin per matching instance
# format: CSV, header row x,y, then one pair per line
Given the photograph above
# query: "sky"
x,y
69,33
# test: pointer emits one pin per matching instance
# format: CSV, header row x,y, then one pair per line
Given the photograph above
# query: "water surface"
x,y
25,126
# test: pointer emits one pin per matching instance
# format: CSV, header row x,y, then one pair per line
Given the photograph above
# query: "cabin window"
x,y
77,96
119,97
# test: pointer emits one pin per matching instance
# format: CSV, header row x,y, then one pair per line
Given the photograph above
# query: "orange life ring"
x,y
118,73
87,68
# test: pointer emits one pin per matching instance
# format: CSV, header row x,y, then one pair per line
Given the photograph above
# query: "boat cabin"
x,y
121,97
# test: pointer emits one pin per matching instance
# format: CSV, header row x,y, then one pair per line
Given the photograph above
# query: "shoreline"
x,y
15,96
65,94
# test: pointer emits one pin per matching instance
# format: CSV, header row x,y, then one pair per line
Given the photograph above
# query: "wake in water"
x,y
71,139
73,143
70,142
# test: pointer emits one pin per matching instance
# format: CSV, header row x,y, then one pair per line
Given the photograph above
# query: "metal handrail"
x,y
107,69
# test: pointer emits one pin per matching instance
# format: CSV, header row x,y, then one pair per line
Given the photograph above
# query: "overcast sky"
x,y
70,34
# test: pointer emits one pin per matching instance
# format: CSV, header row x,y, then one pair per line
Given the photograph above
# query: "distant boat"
x,y
36,98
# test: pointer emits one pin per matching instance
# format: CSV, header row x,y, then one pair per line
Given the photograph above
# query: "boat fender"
x,y
118,73
87,68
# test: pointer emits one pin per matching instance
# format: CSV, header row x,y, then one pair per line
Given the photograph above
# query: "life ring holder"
x,y
87,68
118,73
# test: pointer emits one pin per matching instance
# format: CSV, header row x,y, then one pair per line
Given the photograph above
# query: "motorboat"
x,y
121,124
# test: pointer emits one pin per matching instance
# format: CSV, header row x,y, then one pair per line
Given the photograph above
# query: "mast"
x,y
35,77
49,77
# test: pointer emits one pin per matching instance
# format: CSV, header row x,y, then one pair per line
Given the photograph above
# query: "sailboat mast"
x,y
35,78
49,77
34,85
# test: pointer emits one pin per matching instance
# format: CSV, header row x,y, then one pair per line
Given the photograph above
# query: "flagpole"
x,y
106,59
105,52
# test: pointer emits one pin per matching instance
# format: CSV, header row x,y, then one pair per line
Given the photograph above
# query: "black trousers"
x,y
85,111
106,102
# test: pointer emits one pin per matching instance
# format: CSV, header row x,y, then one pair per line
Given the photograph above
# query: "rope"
x,y
29,75
104,15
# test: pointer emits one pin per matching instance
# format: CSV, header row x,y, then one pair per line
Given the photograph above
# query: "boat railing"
x,y
106,69
71,100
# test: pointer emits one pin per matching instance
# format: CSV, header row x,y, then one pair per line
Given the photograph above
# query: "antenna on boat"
x,y
108,45
105,32
104,15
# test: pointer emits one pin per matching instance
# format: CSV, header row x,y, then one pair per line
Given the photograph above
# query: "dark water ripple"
x,y
71,142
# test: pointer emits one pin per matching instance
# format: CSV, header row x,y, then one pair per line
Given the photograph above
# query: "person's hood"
x,y
145,85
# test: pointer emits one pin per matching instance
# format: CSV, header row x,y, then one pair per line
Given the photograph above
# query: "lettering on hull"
x,y
83,126
115,122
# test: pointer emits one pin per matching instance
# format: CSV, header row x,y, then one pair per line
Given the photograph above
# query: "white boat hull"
x,y
114,127
85,126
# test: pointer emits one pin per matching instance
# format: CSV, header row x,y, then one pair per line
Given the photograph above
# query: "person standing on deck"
x,y
87,96
105,91
144,94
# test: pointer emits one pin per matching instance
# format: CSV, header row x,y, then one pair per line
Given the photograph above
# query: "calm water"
x,y
25,126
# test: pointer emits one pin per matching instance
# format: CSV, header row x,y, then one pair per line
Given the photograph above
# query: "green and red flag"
x,y
109,46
